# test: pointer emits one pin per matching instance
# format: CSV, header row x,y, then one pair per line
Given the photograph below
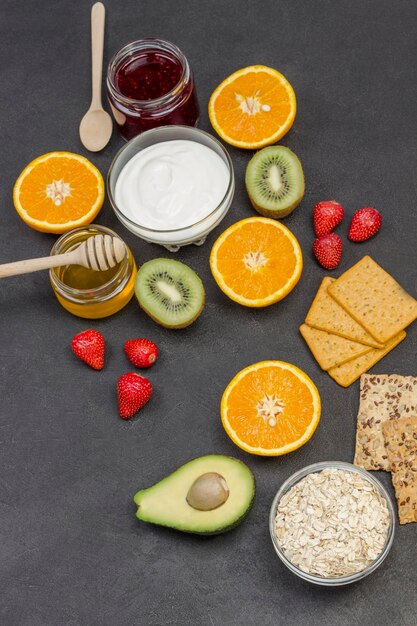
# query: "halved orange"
x,y
59,191
270,408
256,261
253,108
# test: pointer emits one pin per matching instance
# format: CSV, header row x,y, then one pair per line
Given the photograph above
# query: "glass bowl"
x,y
340,580
195,233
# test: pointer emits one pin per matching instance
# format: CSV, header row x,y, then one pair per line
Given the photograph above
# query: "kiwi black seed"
x,y
170,292
275,181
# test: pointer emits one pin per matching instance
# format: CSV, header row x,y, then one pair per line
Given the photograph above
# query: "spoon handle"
x,y
34,265
97,42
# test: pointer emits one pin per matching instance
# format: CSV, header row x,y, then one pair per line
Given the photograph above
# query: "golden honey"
x,y
88,293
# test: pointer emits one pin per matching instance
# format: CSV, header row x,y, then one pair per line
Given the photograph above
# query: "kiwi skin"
x,y
279,213
178,326
276,215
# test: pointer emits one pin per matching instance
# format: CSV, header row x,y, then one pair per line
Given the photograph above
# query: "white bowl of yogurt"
x,y
171,185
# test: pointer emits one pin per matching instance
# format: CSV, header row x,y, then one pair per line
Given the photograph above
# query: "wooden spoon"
x,y
99,252
97,125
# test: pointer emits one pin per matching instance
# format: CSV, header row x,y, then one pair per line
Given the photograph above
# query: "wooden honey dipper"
x,y
98,252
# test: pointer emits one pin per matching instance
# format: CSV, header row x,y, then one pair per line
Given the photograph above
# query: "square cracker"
x,y
374,299
330,350
401,446
382,397
347,373
326,314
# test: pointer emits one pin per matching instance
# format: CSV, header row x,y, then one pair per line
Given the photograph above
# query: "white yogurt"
x,y
172,185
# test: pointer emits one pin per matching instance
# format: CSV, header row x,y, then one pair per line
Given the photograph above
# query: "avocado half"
x,y
165,503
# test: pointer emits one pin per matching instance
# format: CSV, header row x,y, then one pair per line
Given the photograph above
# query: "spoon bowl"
x,y
95,129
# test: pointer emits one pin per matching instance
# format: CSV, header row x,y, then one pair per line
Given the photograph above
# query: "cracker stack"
x,y
356,320
382,398
401,446
386,435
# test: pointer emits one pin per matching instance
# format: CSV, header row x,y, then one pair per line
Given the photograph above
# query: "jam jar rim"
x,y
99,294
147,43
158,130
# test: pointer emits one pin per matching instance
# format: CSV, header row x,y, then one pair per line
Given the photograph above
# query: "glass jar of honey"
x,y
89,293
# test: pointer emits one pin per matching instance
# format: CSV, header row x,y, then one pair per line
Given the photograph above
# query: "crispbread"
x,y
330,350
326,314
382,397
401,446
347,373
374,299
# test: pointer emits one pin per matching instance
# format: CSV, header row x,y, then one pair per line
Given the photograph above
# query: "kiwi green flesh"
x,y
275,181
170,292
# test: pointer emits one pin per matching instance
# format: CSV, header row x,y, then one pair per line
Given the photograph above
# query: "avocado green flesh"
x,y
165,502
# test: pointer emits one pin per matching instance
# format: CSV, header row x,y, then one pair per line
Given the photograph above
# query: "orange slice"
x,y
256,261
270,408
58,191
253,108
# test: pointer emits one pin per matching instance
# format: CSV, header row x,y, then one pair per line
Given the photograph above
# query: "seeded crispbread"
x,y
401,446
326,314
347,373
374,299
330,350
382,397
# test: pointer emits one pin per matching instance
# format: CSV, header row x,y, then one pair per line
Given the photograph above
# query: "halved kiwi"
x,y
170,292
275,181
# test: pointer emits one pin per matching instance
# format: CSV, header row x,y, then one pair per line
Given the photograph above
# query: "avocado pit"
x,y
208,492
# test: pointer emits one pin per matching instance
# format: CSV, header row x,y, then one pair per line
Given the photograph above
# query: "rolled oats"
x,y
332,523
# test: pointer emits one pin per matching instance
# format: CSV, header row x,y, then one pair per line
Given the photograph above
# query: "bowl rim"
x,y
340,580
156,131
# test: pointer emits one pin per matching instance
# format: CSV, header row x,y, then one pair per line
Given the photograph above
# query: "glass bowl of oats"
x,y
332,523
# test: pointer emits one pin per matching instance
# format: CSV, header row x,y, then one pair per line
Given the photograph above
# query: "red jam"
x,y
150,84
148,76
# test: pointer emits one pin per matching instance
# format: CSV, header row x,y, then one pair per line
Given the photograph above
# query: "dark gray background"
x,y
71,550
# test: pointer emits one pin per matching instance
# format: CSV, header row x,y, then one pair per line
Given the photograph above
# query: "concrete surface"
x,y
71,551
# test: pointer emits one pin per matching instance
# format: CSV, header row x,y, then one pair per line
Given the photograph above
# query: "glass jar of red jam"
x,y
149,84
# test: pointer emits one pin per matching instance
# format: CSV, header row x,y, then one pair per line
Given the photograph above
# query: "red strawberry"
x,y
89,346
326,216
141,352
133,392
365,223
328,250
